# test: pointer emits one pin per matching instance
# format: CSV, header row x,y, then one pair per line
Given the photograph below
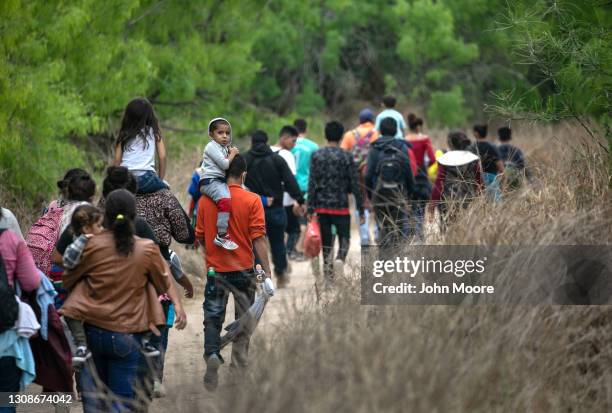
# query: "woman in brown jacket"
x,y
114,292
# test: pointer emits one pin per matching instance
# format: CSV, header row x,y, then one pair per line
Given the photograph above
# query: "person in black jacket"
x,y
389,183
333,175
270,176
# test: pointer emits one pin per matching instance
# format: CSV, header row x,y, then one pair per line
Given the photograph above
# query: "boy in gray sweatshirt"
x,y
218,155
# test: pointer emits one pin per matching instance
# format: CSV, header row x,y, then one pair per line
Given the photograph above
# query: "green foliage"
x,y
448,108
67,69
567,47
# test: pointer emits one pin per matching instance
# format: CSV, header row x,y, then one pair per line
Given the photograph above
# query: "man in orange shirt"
x,y
235,274
357,141
365,131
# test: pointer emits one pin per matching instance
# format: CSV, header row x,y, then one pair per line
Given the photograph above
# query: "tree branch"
x,y
152,9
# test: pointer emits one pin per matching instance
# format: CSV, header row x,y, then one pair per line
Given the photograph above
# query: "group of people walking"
x,y
108,269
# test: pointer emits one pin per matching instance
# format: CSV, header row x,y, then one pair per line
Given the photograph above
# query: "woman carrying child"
x,y
114,291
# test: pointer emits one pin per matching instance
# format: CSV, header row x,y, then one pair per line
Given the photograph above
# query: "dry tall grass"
x,y
341,356
337,355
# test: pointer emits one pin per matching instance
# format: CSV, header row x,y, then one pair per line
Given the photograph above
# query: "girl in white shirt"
x,y
138,141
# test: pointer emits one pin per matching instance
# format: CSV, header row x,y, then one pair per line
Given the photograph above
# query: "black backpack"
x,y
422,186
390,173
9,308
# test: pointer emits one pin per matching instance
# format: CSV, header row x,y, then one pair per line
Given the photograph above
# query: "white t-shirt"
x,y
140,157
290,159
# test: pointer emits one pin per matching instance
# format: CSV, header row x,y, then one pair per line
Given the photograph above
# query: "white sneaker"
x,y
81,355
159,390
225,242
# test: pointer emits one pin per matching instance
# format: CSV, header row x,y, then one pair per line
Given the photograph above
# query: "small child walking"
x,y
138,142
218,155
86,223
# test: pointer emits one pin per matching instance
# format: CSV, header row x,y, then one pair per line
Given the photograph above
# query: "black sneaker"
x,y
149,350
81,355
211,378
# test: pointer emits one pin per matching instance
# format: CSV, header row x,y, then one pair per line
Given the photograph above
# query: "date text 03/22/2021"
x,y
424,288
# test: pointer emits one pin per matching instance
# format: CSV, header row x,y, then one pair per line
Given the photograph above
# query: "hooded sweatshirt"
x,y
269,175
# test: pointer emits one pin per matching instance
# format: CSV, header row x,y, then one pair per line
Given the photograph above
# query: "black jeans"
x,y
9,379
343,232
276,222
242,285
293,229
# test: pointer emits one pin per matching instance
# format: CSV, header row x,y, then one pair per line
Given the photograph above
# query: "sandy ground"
x,y
185,366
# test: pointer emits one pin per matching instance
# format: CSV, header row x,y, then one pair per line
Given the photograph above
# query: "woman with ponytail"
x,y
114,292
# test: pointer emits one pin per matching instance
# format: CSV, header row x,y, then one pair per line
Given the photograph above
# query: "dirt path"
x,y
185,366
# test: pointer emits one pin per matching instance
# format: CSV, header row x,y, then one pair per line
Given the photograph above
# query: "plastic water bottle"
x,y
259,273
211,283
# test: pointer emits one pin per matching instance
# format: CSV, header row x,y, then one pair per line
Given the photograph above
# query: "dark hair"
x,y
62,184
288,130
481,130
388,127
414,122
259,136
118,177
389,101
334,131
119,216
80,187
139,119
504,133
82,216
237,167
458,141
213,125
300,125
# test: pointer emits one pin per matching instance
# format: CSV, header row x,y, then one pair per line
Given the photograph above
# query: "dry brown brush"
x,y
341,356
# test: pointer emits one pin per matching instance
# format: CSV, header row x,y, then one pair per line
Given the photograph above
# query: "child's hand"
x,y
270,200
234,151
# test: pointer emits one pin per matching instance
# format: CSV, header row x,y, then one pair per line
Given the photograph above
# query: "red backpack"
x,y
43,236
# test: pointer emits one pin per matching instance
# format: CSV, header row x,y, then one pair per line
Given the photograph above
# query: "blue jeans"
x,y
276,222
116,357
149,182
242,285
364,229
492,186
9,379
